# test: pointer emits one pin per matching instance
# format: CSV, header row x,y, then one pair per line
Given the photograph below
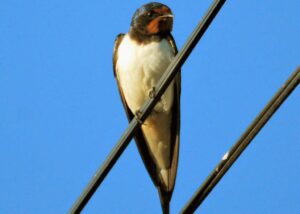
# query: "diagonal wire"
x,y
135,124
233,154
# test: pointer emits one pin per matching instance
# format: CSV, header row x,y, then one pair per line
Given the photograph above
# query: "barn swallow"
x,y
140,58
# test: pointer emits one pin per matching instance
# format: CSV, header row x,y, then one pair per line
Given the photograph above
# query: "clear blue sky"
x,y
60,111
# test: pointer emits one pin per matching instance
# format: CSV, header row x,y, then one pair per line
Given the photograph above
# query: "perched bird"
x,y
140,58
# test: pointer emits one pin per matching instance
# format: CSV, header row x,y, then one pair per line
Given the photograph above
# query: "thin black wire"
x,y
147,107
233,154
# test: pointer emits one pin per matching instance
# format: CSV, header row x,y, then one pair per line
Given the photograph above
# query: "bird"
x,y
140,58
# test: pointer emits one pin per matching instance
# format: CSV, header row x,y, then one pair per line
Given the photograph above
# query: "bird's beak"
x,y
167,16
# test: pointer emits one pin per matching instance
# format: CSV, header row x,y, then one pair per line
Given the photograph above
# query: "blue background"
x,y
60,111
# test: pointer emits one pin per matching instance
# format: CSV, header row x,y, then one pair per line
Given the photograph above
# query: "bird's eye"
x,y
149,14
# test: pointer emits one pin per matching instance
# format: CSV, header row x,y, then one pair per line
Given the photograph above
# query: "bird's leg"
x,y
138,115
152,93
160,103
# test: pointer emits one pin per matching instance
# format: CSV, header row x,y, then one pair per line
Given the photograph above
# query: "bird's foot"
x,y
152,93
138,115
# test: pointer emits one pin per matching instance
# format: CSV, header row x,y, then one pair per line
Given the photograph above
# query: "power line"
x,y
135,124
233,154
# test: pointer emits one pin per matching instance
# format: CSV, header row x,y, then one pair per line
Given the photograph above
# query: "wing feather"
x,y
175,124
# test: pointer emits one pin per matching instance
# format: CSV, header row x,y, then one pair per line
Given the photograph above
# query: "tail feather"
x,y
165,198
166,208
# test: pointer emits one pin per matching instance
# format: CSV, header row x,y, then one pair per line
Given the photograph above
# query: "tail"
x,y
165,198
166,208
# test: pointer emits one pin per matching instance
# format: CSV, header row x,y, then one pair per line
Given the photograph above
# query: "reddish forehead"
x,y
162,10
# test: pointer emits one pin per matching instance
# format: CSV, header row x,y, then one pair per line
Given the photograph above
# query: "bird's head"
x,y
152,19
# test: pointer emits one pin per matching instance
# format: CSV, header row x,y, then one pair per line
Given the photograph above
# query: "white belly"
x,y
140,68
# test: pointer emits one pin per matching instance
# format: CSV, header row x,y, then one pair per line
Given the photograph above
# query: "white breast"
x,y
139,67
